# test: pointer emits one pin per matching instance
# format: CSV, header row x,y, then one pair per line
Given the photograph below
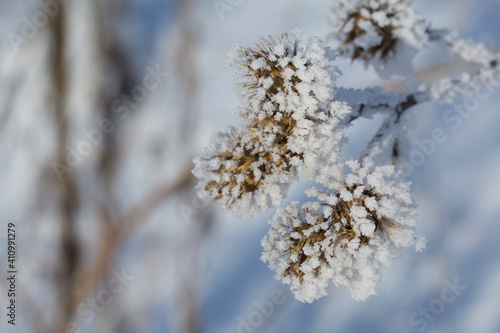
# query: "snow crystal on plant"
x,y
235,171
292,121
384,33
344,240
287,81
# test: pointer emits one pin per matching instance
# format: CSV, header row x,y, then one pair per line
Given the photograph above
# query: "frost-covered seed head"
x,y
301,233
372,29
244,173
359,222
280,80
291,121
269,65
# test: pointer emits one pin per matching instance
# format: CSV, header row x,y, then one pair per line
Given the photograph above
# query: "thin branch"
x,y
68,190
115,234
140,214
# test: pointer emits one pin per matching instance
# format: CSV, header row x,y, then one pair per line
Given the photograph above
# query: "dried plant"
x,y
243,165
290,118
360,221
294,121
378,30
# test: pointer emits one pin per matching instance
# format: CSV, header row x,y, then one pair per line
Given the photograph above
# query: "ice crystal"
x,y
381,32
360,221
292,121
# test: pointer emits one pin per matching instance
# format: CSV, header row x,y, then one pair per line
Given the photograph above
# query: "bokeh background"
x,y
118,241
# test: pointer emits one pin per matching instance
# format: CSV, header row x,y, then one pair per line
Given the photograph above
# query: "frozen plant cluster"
x,y
384,33
358,222
290,120
293,120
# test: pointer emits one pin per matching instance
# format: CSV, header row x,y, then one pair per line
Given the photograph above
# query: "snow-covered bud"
x,y
267,69
279,81
360,221
291,120
379,30
244,173
279,78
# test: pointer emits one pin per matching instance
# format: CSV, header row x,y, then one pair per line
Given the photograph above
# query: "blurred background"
x,y
103,105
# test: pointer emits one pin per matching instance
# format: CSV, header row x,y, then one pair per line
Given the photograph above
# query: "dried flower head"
x,y
268,67
278,77
279,80
359,222
378,29
244,173
291,120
